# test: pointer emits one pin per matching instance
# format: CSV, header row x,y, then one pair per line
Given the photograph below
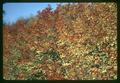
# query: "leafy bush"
x,y
76,41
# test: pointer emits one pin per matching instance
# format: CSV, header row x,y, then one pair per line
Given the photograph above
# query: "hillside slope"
x,y
73,42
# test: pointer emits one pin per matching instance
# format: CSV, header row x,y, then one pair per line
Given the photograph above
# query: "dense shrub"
x,y
76,41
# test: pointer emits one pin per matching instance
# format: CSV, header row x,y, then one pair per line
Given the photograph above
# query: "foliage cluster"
x,y
76,41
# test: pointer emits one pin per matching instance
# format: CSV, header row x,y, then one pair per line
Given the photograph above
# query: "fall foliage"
x,y
76,41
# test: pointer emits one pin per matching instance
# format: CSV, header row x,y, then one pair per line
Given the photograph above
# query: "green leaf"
x,y
39,75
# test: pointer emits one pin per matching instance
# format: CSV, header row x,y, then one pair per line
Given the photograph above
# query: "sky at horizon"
x,y
14,11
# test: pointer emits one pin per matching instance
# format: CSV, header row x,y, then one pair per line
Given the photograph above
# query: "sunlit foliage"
x,y
76,41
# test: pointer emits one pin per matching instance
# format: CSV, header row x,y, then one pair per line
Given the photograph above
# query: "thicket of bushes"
x,y
74,42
